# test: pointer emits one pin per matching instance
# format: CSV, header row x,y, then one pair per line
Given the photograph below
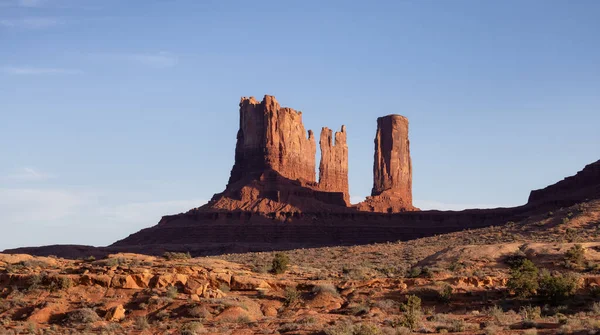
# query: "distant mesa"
x,y
275,162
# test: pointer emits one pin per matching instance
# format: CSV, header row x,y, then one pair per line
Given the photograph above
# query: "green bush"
x,y
280,263
82,316
411,317
291,296
192,328
446,293
172,292
575,257
524,279
141,323
556,288
177,255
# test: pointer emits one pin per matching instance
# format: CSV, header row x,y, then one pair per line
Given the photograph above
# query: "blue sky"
x,y
115,112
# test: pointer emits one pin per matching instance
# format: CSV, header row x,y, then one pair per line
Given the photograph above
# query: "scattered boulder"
x,y
116,313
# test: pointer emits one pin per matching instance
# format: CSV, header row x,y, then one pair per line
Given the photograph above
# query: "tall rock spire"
x,y
333,169
392,168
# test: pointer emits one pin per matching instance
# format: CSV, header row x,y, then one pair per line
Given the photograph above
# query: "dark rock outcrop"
x,y
571,190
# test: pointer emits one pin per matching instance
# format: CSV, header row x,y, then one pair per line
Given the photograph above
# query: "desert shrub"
x,y
575,257
224,287
556,288
82,316
357,273
291,296
457,326
141,323
530,313
346,328
499,317
524,279
414,272
32,328
386,304
162,315
411,317
456,266
340,328
366,329
197,311
595,308
515,260
177,255
60,283
172,292
325,288
360,309
35,282
446,293
192,328
111,328
492,330
65,283
280,263
289,327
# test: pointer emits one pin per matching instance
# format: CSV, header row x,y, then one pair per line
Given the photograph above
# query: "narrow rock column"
x,y
333,169
392,169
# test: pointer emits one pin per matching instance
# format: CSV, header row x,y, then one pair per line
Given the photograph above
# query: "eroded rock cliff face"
x,y
392,168
274,167
333,169
272,137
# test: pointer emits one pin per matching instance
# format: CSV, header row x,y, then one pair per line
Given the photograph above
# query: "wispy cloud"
x,y
36,22
155,60
29,174
77,216
37,71
31,3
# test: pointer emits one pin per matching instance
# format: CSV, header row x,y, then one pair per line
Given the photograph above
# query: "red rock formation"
x,y
571,190
392,169
272,137
274,167
333,169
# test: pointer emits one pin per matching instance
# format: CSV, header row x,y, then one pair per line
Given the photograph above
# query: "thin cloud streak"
x,y
29,174
31,22
37,71
31,3
159,60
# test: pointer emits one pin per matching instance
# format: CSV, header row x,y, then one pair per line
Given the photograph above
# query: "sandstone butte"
x,y
273,200
274,167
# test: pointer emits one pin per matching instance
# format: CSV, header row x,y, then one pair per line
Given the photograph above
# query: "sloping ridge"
x,y
583,185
